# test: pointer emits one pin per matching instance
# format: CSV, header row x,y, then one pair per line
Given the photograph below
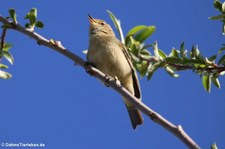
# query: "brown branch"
x,y
180,67
210,68
2,41
115,84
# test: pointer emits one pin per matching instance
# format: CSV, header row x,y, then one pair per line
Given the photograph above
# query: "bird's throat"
x,y
96,31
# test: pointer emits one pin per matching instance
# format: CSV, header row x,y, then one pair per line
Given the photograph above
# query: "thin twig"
x,y
176,130
2,41
180,67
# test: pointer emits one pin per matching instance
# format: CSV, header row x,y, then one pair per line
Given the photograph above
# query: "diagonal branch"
x,y
113,83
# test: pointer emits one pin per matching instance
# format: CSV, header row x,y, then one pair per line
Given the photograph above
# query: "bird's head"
x,y
99,27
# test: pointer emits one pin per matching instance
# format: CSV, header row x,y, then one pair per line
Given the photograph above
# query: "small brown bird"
x,y
110,56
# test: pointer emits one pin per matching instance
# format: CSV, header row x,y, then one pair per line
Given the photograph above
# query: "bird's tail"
x,y
135,116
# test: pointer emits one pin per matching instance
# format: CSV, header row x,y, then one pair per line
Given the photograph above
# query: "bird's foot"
x,y
87,67
108,79
117,81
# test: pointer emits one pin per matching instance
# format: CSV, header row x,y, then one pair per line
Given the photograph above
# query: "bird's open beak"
x,y
91,20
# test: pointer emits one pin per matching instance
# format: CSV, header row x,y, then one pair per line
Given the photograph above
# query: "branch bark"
x,y
113,83
2,42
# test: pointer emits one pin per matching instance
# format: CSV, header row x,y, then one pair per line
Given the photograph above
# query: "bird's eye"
x,y
102,23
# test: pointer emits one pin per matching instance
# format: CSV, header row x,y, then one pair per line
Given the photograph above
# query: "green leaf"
x,y
144,34
198,56
117,25
221,50
34,11
218,5
214,146
153,68
222,60
223,28
32,16
27,15
135,30
27,25
5,75
156,49
222,73
134,58
206,81
12,14
147,46
212,58
182,46
129,41
216,81
7,46
195,51
143,69
223,7
147,57
114,19
32,19
162,54
39,24
171,72
2,66
219,17
183,53
208,62
145,54
8,56
174,53
135,48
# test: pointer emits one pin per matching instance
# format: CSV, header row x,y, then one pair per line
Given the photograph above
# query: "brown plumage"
x,y
110,56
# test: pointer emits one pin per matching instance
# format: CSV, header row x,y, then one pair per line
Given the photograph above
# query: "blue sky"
x,y
51,101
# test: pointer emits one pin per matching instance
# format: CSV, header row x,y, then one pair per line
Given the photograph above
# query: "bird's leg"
x,y
107,80
117,81
87,67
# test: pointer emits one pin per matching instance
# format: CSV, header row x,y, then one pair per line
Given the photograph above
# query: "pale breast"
x,y
108,56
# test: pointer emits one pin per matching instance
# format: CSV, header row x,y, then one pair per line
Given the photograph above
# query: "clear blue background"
x,y
51,101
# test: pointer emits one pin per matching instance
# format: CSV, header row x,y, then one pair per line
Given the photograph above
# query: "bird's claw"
x,y
87,67
117,81
107,80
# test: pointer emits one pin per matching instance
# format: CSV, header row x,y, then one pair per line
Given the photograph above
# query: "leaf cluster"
x,y
4,47
146,63
221,17
8,56
32,17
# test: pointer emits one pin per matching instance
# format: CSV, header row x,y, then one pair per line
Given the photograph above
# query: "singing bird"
x,y
110,56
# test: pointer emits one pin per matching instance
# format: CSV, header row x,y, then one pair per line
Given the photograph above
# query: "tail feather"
x,y
135,117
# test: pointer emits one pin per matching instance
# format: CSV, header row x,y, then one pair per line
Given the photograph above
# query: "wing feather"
x,y
137,90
